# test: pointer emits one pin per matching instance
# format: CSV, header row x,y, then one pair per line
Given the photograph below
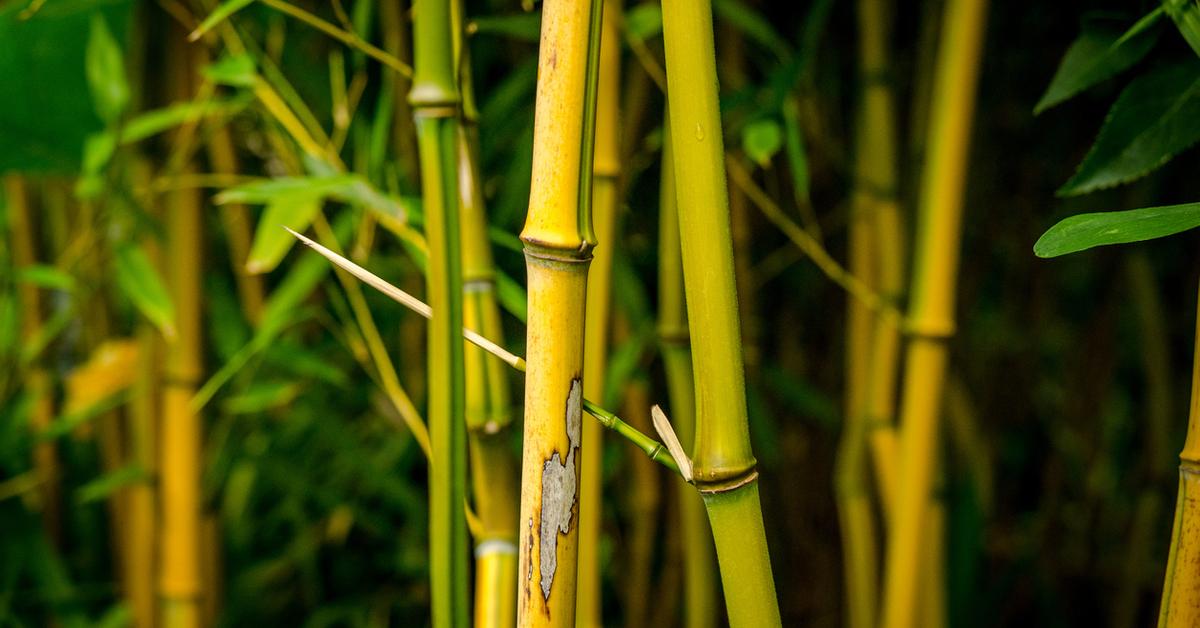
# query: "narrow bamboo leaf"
x,y
119,616
1085,231
271,243
139,281
98,149
1186,15
105,68
753,25
68,423
644,21
520,26
761,140
45,276
219,14
1097,55
1152,121
262,396
233,71
512,296
797,154
109,483
153,122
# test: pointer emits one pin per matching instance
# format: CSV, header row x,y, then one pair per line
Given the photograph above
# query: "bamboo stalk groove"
x,y
558,240
723,463
932,305
1181,588
606,169
493,468
435,101
699,609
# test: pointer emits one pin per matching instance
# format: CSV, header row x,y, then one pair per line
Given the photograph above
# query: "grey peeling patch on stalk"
x,y
559,489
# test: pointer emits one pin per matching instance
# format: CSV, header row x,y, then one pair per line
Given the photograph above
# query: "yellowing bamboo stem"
x,y
558,241
931,310
1181,590
723,463
180,572
606,169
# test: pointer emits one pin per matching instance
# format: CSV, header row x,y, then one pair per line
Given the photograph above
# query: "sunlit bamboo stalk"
x,y
493,468
699,563
606,168
932,305
722,460
435,101
558,241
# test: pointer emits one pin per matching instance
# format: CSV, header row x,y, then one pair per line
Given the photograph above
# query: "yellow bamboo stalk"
x,y
931,310
606,169
558,241
181,572
1181,589
237,228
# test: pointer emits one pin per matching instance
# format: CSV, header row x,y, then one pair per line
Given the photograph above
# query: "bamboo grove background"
x,y
204,423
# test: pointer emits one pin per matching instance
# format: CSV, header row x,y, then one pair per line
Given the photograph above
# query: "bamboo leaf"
x,y
1186,15
139,281
48,277
1152,121
219,14
1085,231
296,210
262,396
1097,55
105,69
644,20
109,483
68,422
156,121
796,152
520,26
761,139
233,71
753,25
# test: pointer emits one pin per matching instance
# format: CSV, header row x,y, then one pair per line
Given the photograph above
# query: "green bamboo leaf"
x,y
153,122
1151,121
1099,53
644,21
796,152
105,69
1186,15
1085,231
98,150
139,281
271,242
68,423
109,483
761,140
753,25
261,396
219,14
520,26
48,277
233,71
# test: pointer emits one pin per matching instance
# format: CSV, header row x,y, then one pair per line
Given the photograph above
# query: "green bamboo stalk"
x,y
435,102
931,310
723,463
489,408
606,168
698,561
558,241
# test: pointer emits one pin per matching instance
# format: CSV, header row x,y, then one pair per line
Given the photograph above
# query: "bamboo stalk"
x,y
931,310
643,497
558,240
237,228
1181,589
435,102
24,253
875,194
181,572
488,405
723,462
606,169
698,561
